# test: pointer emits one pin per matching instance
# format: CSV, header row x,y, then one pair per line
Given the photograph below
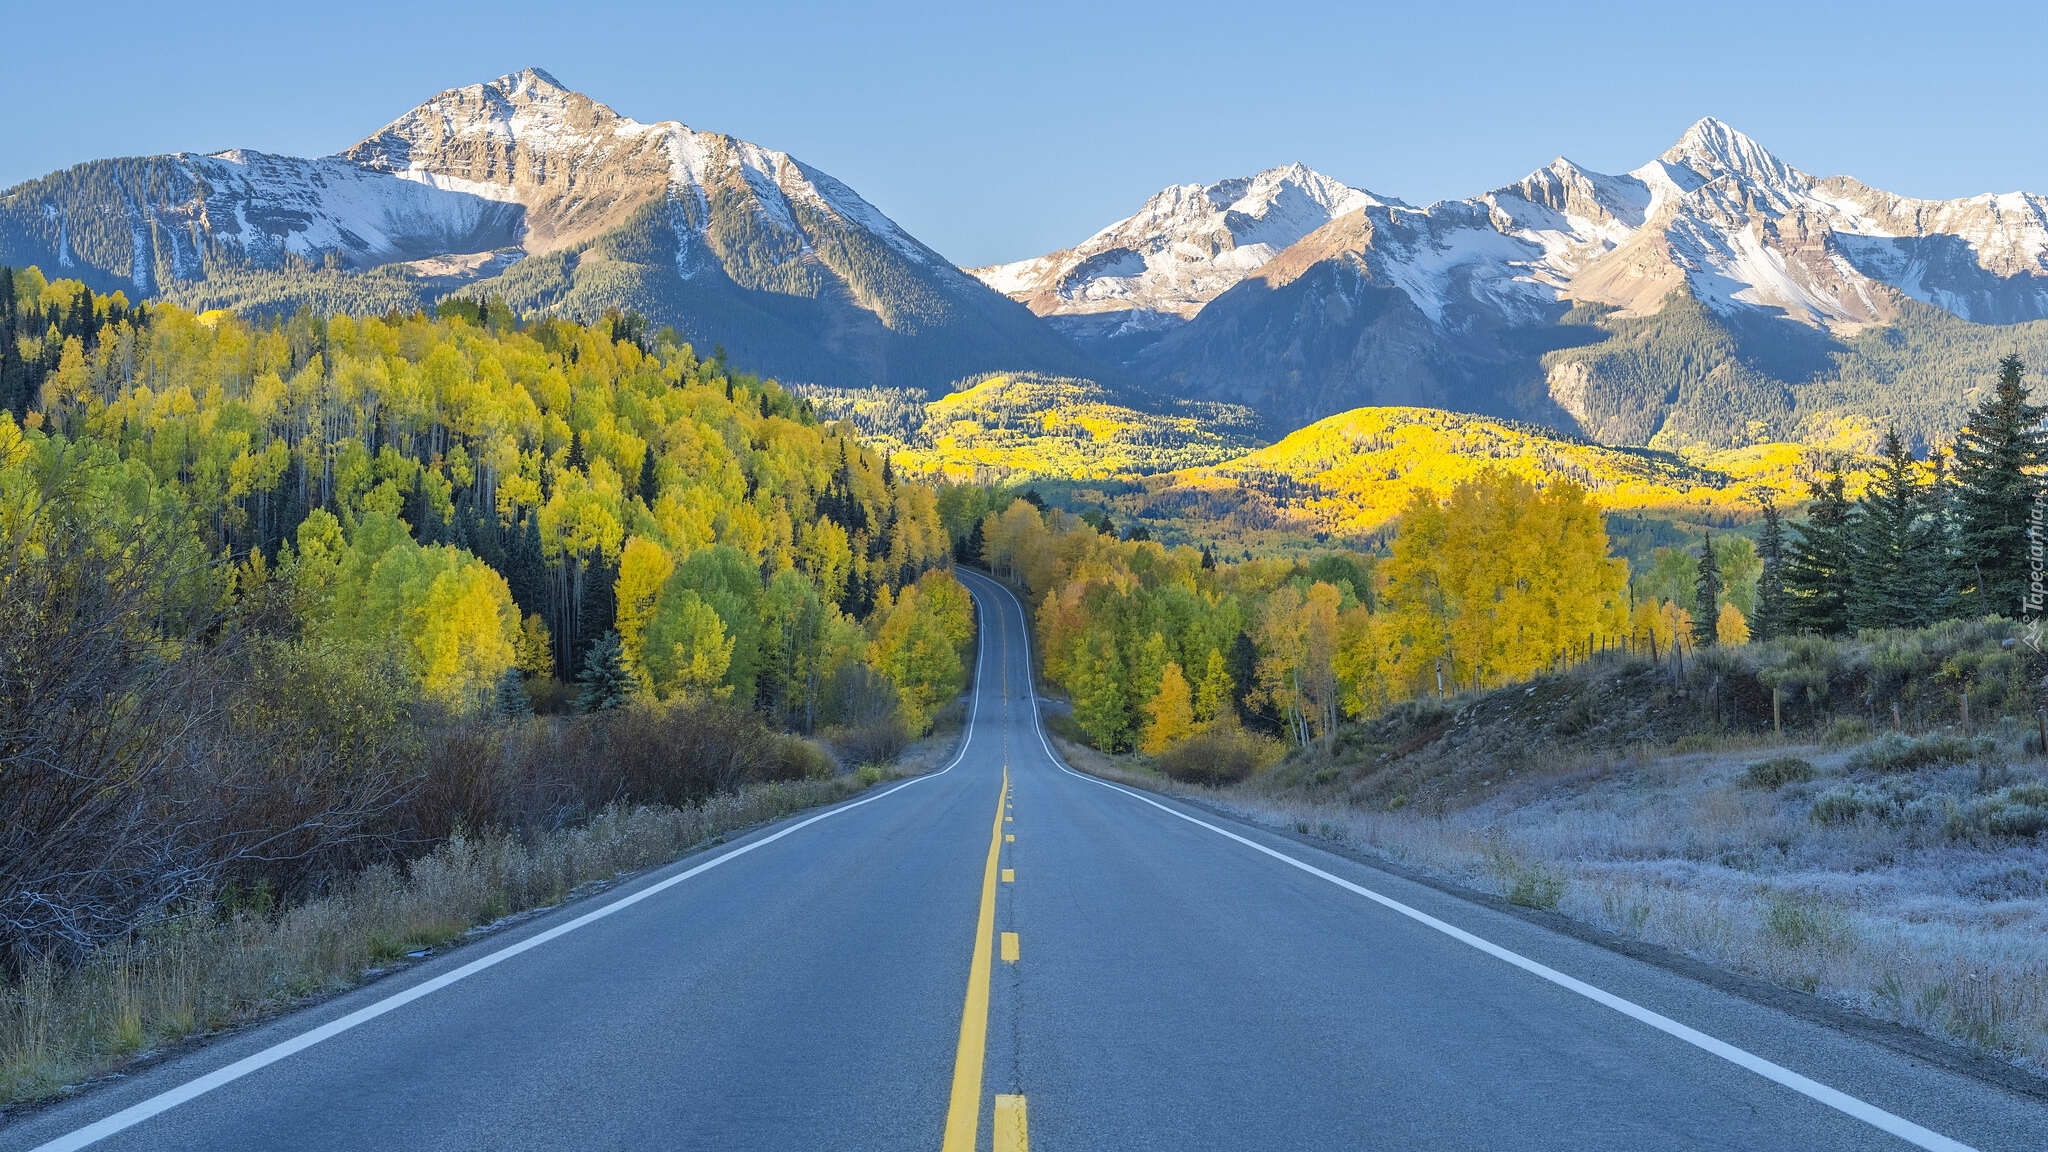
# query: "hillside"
x,y
524,189
1342,479
1023,426
555,482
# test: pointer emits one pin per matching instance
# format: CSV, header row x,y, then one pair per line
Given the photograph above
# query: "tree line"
x,y
278,597
1157,646
1957,535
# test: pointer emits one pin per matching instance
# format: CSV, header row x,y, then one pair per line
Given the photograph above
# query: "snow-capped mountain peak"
x,y
581,169
1713,150
1184,246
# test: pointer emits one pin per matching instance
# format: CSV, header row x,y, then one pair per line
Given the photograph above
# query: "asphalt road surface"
x,y
1007,952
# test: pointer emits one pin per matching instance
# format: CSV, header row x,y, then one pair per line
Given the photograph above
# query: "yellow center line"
x,y
1012,1133
963,1115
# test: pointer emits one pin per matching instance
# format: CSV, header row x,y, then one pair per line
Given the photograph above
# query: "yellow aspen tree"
x,y
1732,628
1319,685
1417,601
1215,700
1673,624
1172,711
536,652
1361,671
643,567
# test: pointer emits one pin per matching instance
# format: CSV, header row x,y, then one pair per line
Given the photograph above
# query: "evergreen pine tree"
x,y
1208,559
1935,547
649,484
10,368
511,700
1768,621
1818,575
576,459
526,568
1996,490
605,682
1885,545
971,545
1706,612
1243,669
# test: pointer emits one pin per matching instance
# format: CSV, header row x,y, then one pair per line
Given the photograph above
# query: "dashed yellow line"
x,y
1009,947
1009,875
963,1113
1009,838
1012,1132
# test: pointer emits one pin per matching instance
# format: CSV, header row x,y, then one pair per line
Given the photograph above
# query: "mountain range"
x,y
1714,296
523,189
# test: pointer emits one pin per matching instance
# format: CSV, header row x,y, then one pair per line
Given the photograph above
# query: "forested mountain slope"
x,y
475,494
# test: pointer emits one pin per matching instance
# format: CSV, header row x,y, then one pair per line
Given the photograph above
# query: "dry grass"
x,y
221,965
1915,916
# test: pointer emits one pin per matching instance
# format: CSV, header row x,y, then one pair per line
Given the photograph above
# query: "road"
x,y
1007,951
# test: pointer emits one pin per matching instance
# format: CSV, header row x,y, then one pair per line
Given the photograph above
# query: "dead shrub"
x,y
1219,755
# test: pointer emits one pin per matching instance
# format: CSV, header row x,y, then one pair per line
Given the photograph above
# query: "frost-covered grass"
x,y
1926,905
215,967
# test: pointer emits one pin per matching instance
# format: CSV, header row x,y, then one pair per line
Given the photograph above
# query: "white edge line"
x,y
164,1101
1812,1089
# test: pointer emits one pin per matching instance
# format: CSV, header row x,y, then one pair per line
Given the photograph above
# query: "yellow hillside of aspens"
x,y
1351,473
1025,427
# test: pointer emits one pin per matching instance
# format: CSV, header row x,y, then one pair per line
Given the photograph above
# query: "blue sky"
x,y
999,131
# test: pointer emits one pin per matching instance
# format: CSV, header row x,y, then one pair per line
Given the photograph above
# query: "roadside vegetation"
x,y
1816,757
326,638
1901,873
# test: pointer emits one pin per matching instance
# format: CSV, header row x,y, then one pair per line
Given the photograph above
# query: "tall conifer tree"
x,y
1886,545
1818,575
1936,535
1996,487
1768,621
1706,612
606,684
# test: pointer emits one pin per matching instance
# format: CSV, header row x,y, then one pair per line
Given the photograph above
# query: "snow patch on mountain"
x,y
271,205
1184,247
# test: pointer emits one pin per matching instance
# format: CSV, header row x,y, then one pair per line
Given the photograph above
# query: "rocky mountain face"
x,y
1148,273
1535,300
522,188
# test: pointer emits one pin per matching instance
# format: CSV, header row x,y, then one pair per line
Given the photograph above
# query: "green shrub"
x,y
1899,754
1847,730
1535,886
1852,802
1797,925
2019,812
1777,772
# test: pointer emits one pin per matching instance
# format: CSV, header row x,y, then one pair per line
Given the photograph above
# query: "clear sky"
x,y
1000,131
